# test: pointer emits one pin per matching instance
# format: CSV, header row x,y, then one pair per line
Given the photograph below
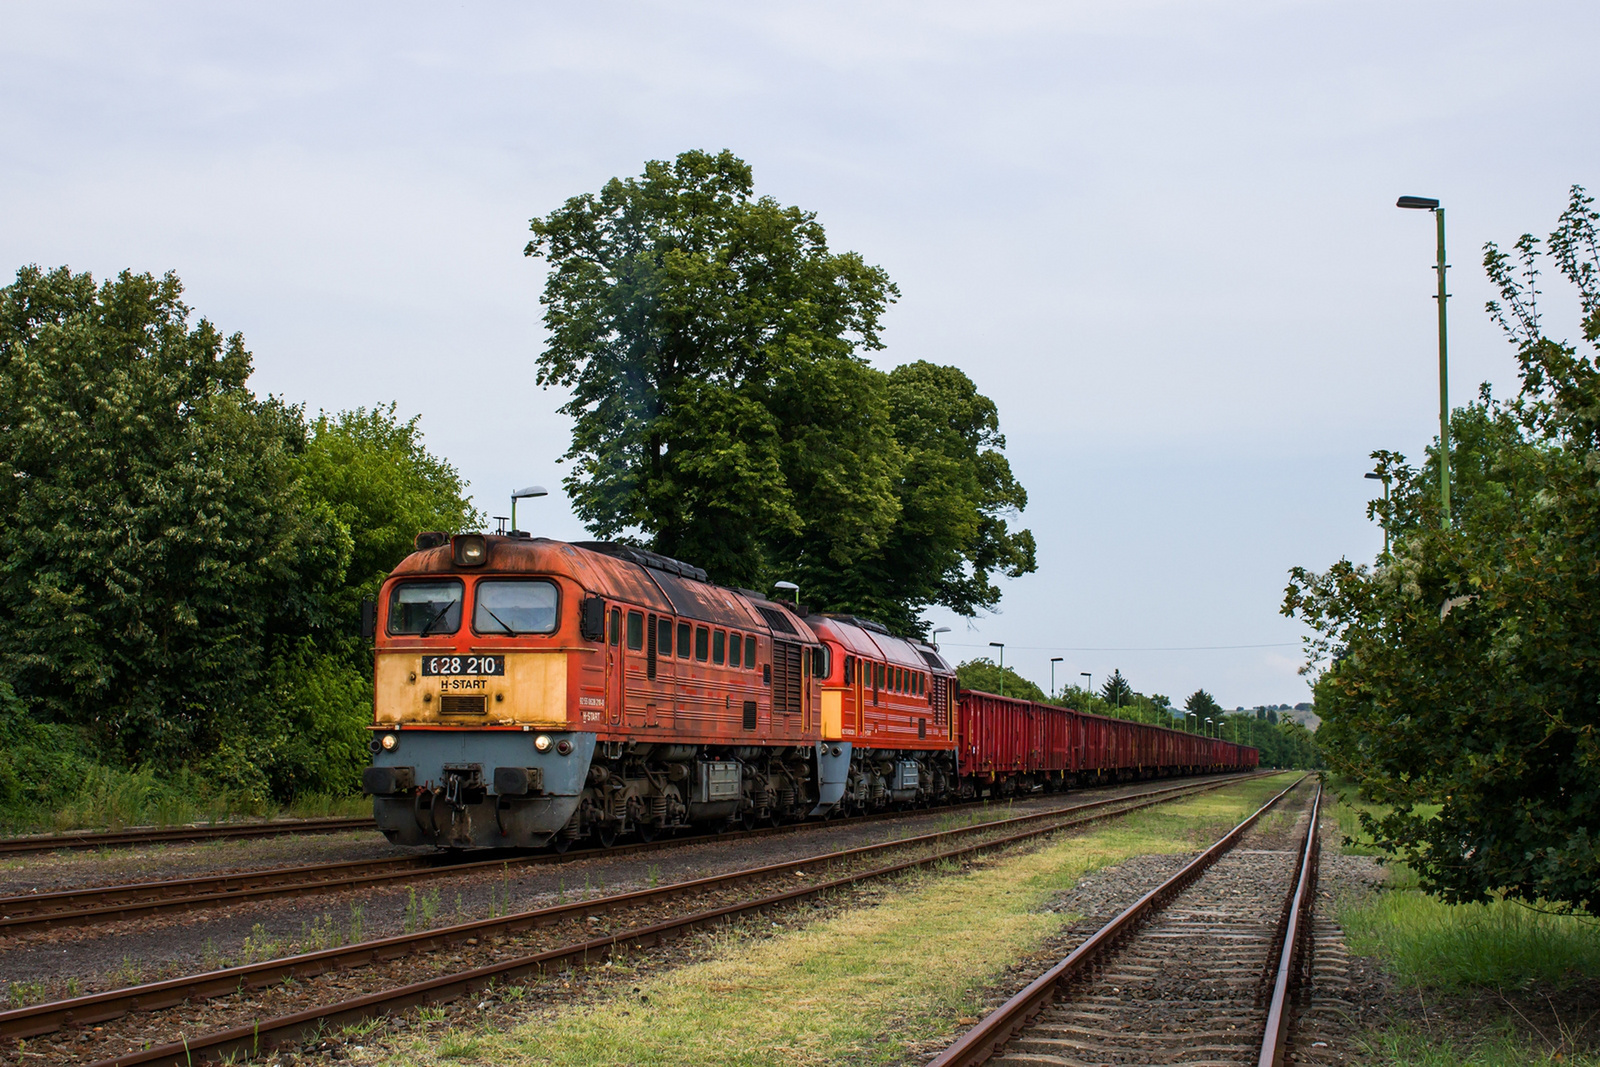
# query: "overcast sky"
x,y
1161,235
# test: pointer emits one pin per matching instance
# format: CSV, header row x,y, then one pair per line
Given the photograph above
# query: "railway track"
x,y
88,839
637,912
1200,970
105,904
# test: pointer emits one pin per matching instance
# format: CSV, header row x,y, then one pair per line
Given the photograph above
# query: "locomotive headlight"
x,y
389,742
469,550
542,742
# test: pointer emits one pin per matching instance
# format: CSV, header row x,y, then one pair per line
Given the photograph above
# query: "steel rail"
x,y
98,1007
269,1033
12,846
990,1035
1296,931
104,904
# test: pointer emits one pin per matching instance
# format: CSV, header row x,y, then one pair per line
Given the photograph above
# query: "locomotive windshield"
x,y
515,606
424,608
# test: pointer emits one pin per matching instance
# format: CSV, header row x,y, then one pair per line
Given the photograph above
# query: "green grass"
x,y
1410,1049
1455,947
109,798
855,988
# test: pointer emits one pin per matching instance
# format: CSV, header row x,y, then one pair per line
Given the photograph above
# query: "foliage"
x,y
1462,668
723,409
1202,705
382,486
983,675
180,560
953,488
1116,691
155,546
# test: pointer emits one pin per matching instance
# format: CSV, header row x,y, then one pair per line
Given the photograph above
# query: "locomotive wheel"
x,y
647,832
606,834
561,842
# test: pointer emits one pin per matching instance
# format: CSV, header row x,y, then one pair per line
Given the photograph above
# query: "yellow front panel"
x,y
532,692
832,714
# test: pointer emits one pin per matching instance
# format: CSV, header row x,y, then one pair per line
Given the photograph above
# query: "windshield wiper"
x,y
497,618
436,617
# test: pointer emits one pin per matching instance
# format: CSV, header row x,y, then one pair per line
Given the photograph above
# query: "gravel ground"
x,y
51,871
143,1030
119,954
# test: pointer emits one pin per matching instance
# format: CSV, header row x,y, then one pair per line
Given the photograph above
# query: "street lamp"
x,y
786,587
1208,722
936,633
1088,688
523,494
1424,203
1053,661
1001,645
1384,478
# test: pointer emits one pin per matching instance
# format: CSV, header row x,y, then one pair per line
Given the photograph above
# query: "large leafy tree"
x,y
1463,670
724,412
154,544
713,347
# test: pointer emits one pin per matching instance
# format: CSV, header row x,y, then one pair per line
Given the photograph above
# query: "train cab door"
x,y
616,680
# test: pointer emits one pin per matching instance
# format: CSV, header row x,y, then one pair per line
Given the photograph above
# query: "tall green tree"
x,y
154,546
1116,691
724,412
1463,670
713,346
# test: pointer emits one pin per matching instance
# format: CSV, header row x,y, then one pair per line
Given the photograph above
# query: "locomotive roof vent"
x,y
430,539
645,558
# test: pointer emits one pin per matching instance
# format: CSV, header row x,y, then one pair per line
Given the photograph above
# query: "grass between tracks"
x,y
856,988
1478,984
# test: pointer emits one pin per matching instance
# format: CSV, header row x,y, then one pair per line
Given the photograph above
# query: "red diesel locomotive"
x,y
533,692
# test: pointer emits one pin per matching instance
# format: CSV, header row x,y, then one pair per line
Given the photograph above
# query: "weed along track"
x,y
1200,970
275,1002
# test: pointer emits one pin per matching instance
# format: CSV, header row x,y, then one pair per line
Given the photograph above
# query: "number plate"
x,y
446,666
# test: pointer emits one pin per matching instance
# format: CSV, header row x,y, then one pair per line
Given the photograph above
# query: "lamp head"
x,y
1421,203
1374,475
532,490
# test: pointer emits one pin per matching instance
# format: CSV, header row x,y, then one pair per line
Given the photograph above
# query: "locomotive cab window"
x,y
735,650
425,608
719,647
635,630
664,637
820,667
702,644
683,640
750,651
849,670
514,606
616,625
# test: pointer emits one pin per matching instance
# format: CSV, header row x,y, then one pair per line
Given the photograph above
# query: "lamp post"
x,y
1384,478
523,494
788,586
1053,661
1088,688
1208,723
1001,645
936,633
1424,203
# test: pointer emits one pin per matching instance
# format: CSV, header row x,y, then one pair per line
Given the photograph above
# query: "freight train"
x,y
533,692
